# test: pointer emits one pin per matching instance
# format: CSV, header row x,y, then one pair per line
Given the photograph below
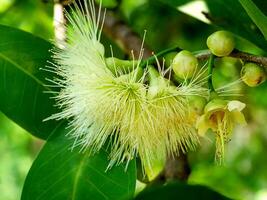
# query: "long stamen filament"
x,y
219,155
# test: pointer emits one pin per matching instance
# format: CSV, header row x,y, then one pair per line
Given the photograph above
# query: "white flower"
x,y
136,119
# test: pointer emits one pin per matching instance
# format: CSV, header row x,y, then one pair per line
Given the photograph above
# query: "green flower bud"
x,y
169,59
135,75
253,74
184,64
156,82
221,43
197,104
118,66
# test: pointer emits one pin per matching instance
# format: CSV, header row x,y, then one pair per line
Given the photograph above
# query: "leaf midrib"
x,y
77,176
19,67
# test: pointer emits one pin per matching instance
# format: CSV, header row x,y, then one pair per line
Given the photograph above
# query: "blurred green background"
x,y
243,177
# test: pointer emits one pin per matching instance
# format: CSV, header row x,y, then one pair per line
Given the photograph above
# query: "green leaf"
x,y
230,15
175,191
22,83
256,15
156,16
175,3
63,174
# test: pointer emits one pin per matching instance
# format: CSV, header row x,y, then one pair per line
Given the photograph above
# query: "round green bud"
x,y
118,66
135,75
253,74
197,104
184,64
221,43
169,58
156,81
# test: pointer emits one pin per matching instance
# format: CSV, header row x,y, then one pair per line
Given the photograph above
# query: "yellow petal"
x,y
238,117
235,105
202,125
214,105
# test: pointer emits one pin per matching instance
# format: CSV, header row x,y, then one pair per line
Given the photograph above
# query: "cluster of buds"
x,y
217,113
222,43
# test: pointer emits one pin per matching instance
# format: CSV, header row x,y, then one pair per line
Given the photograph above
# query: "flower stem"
x,y
152,59
210,69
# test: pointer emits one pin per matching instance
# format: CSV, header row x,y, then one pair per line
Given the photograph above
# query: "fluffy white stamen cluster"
x,y
150,121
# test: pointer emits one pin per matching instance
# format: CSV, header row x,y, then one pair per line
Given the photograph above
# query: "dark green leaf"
x,y
183,30
230,15
22,91
256,15
61,174
176,191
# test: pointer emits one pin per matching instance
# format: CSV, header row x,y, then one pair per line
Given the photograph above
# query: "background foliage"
x,y
243,177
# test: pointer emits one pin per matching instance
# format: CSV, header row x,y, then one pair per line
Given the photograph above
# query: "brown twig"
x,y
176,168
59,24
260,60
123,35
118,31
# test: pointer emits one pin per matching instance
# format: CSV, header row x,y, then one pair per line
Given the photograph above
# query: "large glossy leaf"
x,y
179,191
230,15
22,83
61,174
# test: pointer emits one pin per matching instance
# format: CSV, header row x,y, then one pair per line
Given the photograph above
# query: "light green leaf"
x,y
64,174
22,83
256,15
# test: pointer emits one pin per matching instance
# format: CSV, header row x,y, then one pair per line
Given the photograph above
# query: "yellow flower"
x,y
221,116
